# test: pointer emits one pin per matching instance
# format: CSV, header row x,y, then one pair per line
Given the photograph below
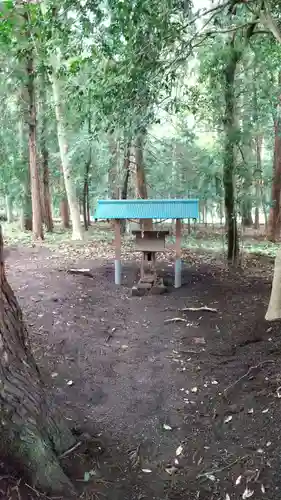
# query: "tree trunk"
x,y
37,227
47,206
126,177
274,216
26,206
126,172
31,433
85,200
64,213
9,208
229,155
141,188
46,191
274,307
77,232
258,143
112,172
246,212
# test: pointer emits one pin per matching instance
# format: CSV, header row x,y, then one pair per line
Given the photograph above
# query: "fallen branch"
x,y
251,369
202,308
216,471
175,320
70,450
84,272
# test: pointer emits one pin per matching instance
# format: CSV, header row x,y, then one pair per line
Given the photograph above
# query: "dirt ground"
x,y
161,407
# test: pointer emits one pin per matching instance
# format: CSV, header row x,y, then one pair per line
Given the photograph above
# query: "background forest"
x,y
134,99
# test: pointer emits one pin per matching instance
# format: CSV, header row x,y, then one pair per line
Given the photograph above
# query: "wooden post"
x,y
178,254
117,263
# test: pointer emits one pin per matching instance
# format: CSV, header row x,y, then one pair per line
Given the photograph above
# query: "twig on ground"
x,y
202,308
251,369
32,489
175,320
109,337
70,450
216,471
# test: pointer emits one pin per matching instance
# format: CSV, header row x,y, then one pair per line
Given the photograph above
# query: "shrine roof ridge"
x,y
175,208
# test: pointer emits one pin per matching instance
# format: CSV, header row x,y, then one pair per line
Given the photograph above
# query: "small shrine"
x,y
148,238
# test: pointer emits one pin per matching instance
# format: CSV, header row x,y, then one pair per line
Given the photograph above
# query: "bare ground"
x,y
149,395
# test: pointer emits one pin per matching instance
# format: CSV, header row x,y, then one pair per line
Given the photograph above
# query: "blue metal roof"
x,y
147,209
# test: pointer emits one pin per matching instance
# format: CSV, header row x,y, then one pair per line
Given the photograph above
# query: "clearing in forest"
x,y
172,409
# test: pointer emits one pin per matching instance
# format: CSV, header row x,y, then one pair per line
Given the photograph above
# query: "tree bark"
x,y
46,195
26,206
85,200
64,213
258,144
246,209
229,154
37,227
112,172
77,232
31,432
126,177
274,307
141,188
274,215
126,172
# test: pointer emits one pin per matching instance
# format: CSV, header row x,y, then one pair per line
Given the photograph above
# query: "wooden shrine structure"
x,y
148,239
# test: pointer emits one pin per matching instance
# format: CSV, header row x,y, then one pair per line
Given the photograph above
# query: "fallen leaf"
x,y
194,389
278,392
211,477
262,488
247,494
228,419
251,410
54,375
199,340
70,382
214,382
146,471
167,427
179,450
227,497
171,470
176,461
266,410
238,480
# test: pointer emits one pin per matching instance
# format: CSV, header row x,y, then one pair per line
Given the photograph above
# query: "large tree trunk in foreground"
x,y
37,227
77,232
31,433
229,156
274,307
